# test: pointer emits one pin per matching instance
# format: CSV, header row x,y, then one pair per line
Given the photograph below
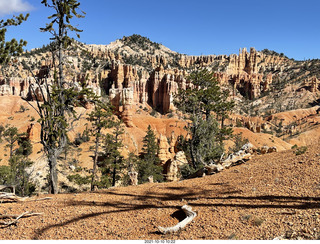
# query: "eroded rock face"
x,y
133,178
33,132
173,166
127,99
312,84
157,88
164,149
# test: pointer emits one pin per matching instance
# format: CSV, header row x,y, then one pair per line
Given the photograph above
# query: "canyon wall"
x,y
244,73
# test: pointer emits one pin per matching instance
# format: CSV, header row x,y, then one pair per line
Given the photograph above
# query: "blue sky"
x,y
187,26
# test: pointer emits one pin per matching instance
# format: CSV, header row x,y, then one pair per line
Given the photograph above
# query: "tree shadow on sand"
x,y
173,197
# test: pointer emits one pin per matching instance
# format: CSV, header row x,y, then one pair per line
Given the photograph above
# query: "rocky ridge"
x,y
135,71
141,76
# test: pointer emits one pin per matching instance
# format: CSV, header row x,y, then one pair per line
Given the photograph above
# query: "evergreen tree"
x,y
59,98
101,119
203,100
17,172
150,163
11,135
114,162
12,47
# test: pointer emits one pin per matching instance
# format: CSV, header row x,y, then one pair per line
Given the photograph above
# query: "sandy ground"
x,y
269,196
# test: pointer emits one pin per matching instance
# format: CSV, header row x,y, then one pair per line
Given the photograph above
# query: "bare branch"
x,y
15,198
15,221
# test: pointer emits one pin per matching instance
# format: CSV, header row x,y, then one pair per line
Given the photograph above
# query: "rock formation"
x,y
312,84
172,168
164,147
127,99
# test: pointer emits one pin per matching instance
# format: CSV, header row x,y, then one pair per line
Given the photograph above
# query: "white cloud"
x,y
14,6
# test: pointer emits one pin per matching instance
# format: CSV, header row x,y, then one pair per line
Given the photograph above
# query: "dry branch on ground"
x,y
190,216
15,218
15,198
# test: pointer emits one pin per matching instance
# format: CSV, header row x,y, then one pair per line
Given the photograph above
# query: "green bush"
x,y
104,182
15,174
301,150
153,113
79,180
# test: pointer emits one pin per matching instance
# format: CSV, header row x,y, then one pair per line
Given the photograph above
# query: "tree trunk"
x,y
95,160
114,173
53,175
192,141
193,159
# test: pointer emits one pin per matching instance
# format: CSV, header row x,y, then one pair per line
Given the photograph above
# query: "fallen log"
x,y
190,216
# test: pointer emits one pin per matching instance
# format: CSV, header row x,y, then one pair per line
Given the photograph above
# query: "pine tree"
x,y
114,162
150,163
101,119
203,100
12,47
16,173
57,111
11,135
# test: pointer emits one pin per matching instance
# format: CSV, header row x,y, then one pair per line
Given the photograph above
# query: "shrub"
x,y
301,150
79,180
153,113
16,174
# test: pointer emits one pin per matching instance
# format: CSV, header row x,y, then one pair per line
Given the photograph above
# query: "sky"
x,y
193,27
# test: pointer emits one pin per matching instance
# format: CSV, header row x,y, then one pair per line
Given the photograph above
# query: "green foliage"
x,y
23,109
273,53
150,163
186,170
139,41
25,146
301,150
5,175
19,176
104,181
153,113
57,112
205,140
204,146
100,119
205,97
80,138
79,180
12,47
17,171
113,163
239,141
199,102
65,11
11,135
